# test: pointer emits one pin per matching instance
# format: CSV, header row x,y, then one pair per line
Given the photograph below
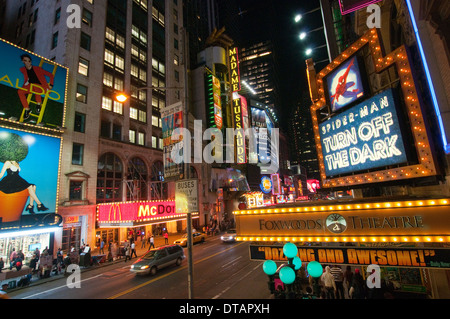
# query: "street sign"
x,y
186,196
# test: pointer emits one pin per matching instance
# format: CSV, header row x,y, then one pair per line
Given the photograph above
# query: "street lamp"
x,y
297,18
303,34
309,51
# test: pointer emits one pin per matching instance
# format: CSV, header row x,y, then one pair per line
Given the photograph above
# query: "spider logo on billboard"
x,y
367,139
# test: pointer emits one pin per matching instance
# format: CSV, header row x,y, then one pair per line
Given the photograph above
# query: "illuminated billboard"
x,y
28,177
358,157
364,137
261,120
171,118
33,88
345,84
234,69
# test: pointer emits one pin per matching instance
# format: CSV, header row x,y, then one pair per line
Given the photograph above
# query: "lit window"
x,y
154,141
106,103
108,79
133,113
154,120
109,56
83,67
118,107
143,116
132,135
141,138
81,93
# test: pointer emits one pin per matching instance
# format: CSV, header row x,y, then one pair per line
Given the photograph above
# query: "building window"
x,y
105,129
142,116
85,41
154,141
117,107
132,136
77,154
54,40
155,120
76,190
109,178
108,79
81,93
177,76
117,132
107,103
83,67
141,139
87,17
133,113
80,122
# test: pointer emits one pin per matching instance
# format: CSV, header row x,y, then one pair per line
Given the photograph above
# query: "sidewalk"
x,y
159,241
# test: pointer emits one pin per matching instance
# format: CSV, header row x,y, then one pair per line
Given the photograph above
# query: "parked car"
x,y
197,237
229,236
158,258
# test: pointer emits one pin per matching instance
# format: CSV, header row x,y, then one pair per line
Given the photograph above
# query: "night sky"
x,y
250,21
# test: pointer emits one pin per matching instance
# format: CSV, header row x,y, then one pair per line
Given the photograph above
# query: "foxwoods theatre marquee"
x,y
366,138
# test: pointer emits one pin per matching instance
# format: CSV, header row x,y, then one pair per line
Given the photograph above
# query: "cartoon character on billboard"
x,y
34,80
343,88
13,149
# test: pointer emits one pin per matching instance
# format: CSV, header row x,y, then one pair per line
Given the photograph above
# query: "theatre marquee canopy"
x,y
129,214
402,221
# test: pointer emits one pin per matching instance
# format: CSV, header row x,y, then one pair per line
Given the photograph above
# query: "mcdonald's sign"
x,y
115,212
126,212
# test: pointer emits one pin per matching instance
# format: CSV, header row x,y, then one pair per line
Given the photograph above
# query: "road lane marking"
x,y
168,274
44,292
231,261
229,287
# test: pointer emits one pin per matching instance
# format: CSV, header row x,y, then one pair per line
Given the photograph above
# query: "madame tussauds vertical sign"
x,y
364,137
234,70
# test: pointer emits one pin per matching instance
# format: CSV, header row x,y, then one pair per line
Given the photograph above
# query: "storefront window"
x,y
109,179
71,238
27,244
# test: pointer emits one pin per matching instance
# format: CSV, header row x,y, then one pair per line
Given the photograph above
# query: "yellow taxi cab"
x,y
197,237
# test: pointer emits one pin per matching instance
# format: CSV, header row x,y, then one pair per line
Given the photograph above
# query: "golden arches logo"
x,y
115,210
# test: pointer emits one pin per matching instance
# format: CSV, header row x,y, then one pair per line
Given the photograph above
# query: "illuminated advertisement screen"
x,y
33,89
136,211
171,118
364,137
348,6
345,85
259,120
29,174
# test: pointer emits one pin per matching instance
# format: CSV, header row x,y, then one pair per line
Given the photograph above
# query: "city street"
x,y
221,271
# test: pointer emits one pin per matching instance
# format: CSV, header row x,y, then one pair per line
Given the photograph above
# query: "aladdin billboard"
x,y
28,178
33,88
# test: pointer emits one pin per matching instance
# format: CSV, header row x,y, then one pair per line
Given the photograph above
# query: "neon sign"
x,y
234,66
365,136
348,6
135,211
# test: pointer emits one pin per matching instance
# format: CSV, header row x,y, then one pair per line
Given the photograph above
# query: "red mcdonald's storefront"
x,y
116,219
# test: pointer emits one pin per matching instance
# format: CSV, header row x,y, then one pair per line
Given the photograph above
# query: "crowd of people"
x,y
338,284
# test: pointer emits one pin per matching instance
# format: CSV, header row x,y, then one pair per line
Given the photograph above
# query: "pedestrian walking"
x,y
12,258
357,286
133,250
127,253
152,241
166,238
328,282
338,275
144,241
2,264
102,246
348,276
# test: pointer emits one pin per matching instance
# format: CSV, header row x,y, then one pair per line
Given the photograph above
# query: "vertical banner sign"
x,y
276,185
234,68
186,196
172,118
217,102
241,157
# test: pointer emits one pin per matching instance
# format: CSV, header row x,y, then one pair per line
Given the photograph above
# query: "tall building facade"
x,y
111,151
